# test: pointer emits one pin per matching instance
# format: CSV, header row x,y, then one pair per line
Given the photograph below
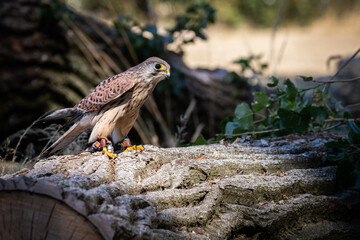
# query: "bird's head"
x,y
156,69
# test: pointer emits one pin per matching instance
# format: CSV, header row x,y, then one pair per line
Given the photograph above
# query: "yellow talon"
x,y
134,147
140,147
130,148
110,155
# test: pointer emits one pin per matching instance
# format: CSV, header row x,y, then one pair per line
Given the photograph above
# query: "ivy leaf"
x,y
317,114
243,110
336,157
244,116
238,130
225,121
230,126
274,80
340,143
354,127
200,141
354,133
293,122
151,28
305,78
353,137
347,114
244,63
291,90
289,102
260,101
346,174
357,182
317,97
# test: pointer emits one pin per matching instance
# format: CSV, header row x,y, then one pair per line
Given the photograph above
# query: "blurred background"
x,y
292,36
54,52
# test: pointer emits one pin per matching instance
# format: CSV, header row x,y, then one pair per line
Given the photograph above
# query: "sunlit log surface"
x,y
265,189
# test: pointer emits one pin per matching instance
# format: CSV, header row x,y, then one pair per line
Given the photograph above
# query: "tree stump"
x,y
264,189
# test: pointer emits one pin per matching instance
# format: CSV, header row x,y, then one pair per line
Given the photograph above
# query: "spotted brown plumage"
x,y
113,106
106,91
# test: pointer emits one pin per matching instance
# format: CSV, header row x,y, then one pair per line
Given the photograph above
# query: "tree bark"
x,y
264,189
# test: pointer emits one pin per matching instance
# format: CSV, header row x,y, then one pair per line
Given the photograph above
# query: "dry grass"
x,y
8,167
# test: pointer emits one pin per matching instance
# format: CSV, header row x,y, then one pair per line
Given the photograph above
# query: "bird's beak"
x,y
166,73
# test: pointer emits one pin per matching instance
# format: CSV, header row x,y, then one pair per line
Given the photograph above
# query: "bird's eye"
x,y
159,66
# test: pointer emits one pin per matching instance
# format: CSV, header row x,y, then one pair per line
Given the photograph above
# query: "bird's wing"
x,y
107,91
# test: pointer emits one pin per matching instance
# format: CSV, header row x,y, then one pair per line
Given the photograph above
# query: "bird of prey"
x,y
112,107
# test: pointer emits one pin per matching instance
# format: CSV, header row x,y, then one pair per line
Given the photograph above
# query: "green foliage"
x,y
260,101
252,63
346,153
287,111
242,121
147,40
151,45
199,141
196,18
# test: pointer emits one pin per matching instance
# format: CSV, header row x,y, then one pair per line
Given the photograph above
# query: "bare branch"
x,y
341,119
338,81
350,106
345,64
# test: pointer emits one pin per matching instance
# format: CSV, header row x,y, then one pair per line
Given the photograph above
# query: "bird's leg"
x,y
109,151
100,143
105,145
128,147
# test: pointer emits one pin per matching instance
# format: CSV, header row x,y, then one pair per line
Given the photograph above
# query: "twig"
x,y
274,30
341,120
332,127
197,132
90,45
179,136
152,107
128,44
330,59
345,64
88,56
50,140
26,130
281,52
338,81
249,133
349,106
110,43
140,128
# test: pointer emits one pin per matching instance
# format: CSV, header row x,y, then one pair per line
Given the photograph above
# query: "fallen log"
x,y
265,189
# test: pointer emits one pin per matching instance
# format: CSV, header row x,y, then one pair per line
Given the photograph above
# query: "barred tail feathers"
x,y
60,114
69,136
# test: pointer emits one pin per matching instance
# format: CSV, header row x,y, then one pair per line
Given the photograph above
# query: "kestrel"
x,y
112,107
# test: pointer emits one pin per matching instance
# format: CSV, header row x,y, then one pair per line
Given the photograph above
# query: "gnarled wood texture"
x,y
263,189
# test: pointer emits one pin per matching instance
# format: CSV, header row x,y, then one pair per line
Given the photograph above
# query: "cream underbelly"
x,y
113,122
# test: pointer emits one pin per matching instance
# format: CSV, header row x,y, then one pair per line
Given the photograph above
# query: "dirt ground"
x,y
293,50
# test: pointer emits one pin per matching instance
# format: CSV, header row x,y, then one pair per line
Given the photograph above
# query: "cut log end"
x,y
26,215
